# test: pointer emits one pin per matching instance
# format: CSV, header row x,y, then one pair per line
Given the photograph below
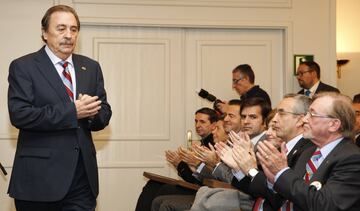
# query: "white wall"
x,y
305,27
348,45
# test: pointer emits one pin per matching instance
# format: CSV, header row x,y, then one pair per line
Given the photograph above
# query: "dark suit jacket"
x,y
256,91
338,174
50,135
322,88
258,186
183,168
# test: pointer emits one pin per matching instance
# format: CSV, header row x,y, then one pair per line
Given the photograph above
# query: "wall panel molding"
x,y
195,3
130,165
145,66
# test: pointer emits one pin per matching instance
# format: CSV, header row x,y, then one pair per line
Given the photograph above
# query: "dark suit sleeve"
x,y
101,120
27,112
258,188
185,173
340,192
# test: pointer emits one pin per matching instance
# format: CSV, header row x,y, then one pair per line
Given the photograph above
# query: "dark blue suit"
x,y
51,138
322,88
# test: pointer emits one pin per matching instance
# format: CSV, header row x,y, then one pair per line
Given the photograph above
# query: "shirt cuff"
x,y
200,168
238,175
270,185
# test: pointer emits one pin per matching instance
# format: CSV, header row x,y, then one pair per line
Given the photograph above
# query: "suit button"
x,y
76,149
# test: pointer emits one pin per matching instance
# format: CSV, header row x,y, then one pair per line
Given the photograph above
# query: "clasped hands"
x,y
182,154
239,157
271,159
206,155
87,106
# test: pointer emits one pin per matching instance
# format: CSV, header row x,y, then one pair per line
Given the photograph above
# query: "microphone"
x,y
3,169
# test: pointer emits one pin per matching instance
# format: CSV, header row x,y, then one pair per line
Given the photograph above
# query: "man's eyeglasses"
x,y
313,115
300,74
235,81
282,112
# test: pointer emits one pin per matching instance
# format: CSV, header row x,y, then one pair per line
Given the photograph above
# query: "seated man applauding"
x,y
183,160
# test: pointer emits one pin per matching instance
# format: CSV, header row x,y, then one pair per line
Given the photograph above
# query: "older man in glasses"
x,y
326,176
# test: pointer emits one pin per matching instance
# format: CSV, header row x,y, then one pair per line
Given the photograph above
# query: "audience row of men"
x,y
299,156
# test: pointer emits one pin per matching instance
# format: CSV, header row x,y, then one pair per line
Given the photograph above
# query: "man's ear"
x,y
43,34
300,121
246,78
212,126
334,125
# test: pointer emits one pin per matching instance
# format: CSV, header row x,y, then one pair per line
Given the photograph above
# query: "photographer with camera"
x,y
243,79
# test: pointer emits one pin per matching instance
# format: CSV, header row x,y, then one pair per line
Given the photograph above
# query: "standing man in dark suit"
x,y
356,107
326,176
308,76
55,99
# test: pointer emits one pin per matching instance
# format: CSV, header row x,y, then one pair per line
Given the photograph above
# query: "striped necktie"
x,y
259,203
311,168
312,165
67,80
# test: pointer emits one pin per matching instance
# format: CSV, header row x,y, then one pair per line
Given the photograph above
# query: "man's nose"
x,y
245,120
68,33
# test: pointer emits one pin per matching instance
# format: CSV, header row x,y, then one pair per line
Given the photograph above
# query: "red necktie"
x,y
259,201
67,80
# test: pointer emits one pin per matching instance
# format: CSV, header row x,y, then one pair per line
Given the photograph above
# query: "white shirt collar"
x,y
290,144
54,59
313,88
255,139
325,150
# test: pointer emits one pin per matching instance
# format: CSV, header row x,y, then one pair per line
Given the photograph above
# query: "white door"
x,y
143,72
212,54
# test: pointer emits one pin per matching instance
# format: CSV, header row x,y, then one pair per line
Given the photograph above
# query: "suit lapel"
x,y
300,165
319,88
81,75
296,151
325,165
47,69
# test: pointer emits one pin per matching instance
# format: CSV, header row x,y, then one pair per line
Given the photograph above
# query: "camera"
x,y
206,95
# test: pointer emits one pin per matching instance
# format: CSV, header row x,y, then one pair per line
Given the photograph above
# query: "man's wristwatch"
x,y
252,173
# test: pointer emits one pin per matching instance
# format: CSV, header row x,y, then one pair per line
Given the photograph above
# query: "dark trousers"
x,y
79,197
172,202
152,189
